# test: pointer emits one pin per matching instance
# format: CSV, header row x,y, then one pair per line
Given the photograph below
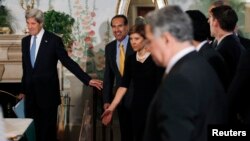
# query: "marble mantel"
x,y
10,58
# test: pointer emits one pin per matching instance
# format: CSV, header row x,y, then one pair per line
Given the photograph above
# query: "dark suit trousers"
x,y
45,120
125,121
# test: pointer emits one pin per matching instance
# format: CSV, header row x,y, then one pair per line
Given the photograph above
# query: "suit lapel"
x,y
113,56
27,50
43,44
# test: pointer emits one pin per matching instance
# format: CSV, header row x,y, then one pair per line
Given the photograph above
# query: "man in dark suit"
x,y
201,34
41,51
244,41
239,92
222,20
112,74
191,96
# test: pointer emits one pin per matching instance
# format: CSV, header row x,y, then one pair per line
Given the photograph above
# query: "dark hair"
x,y
226,17
140,29
125,19
200,25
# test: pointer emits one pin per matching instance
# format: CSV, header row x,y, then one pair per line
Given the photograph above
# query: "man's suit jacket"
x,y
230,49
189,98
244,41
239,91
216,61
41,83
112,75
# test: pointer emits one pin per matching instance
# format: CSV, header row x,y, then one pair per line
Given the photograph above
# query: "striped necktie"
x,y
122,59
33,52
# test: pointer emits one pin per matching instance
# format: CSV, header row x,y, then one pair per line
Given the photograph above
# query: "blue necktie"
x,y
33,52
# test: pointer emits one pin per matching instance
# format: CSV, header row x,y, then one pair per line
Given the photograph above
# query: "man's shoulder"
x,y
244,41
230,40
190,63
112,43
51,35
26,37
208,52
230,44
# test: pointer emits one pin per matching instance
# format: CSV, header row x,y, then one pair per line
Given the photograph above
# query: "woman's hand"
x,y
96,83
107,116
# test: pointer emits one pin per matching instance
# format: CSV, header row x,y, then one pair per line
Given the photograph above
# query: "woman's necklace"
x,y
142,58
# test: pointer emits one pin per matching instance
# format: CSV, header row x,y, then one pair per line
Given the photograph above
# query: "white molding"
x,y
122,5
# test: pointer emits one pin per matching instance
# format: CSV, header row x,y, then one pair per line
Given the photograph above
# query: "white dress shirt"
x,y
38,40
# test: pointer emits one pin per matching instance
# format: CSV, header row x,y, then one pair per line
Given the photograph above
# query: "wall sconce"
x,y
26,6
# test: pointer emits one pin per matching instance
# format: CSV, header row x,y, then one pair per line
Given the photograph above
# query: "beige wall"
x,y
247,18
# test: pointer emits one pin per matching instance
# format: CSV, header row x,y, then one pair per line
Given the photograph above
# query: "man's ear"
x,y
127,28
42,24
215,23
166,37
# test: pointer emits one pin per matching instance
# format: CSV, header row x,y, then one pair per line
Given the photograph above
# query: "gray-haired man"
x,y
41,51
191,95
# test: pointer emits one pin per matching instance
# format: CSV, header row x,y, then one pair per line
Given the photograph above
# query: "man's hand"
x,y
96,83
20,96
